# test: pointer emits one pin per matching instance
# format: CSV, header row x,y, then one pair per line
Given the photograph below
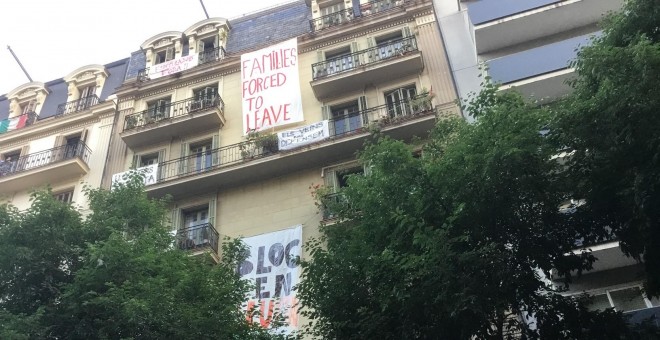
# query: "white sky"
x,y
54,37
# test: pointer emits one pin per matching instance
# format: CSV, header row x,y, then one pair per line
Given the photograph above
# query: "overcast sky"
x,y
54,37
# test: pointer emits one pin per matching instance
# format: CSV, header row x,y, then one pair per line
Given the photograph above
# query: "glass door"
x,y
200,157
398,101
346,118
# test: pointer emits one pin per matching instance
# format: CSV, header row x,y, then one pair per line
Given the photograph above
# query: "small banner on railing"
x,y
272,267
303,135
173,66
271,87
150,173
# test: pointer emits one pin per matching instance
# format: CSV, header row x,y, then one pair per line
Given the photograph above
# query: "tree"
x,y
612,126
113,274
453,242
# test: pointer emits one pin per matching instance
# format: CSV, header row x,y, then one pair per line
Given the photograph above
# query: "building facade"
x,y
57,134
181,114
527,46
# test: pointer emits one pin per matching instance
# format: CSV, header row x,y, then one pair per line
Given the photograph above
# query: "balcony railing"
x,y
346,15
348,62
383,115
198,237
143,74
202,162
77,105
18,122
43,158
217,53
333,19
172,110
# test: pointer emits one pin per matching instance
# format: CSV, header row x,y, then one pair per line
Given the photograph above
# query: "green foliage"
x,y
611,124
113,274
454,244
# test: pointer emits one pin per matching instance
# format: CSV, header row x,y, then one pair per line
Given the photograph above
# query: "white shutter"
x,y
215,153
175,220
330,179
182,162
169,53
212,205
362,107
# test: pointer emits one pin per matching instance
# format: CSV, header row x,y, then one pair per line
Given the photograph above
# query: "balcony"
x,y
251,161
174,119
505,23
67,162
353,71
541,72
330,20
77,105
211,55
198,239
18,122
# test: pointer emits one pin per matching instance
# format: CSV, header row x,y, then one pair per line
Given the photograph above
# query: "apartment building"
x,y
184,117
56,134
527,46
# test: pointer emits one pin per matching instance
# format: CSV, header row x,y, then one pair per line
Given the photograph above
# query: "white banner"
x,y
272,269
150,175
271,87
173,66
303,135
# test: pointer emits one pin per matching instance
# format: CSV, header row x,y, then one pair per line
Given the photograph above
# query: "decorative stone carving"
x,y
206,28
162,42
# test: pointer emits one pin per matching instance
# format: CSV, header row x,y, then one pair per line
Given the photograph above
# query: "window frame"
x,y
607,290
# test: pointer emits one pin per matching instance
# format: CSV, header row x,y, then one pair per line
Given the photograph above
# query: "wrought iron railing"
x,y
383,115
333,19
43,158
77,105
217,53
346,15
173,110
378,6
198,237
18,122
202,162
143,74
348,62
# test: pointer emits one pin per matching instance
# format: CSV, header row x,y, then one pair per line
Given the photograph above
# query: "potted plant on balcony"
x,y
131,122
422,102
258,144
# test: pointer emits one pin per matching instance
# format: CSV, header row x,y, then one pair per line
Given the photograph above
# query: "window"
x,y
200,156
194,226
398,101
339,60
9,163
204,98
337,177
87,97
164,55
345,117
64,197
622,299
396,43
72,146
158,110
149,159
28,107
